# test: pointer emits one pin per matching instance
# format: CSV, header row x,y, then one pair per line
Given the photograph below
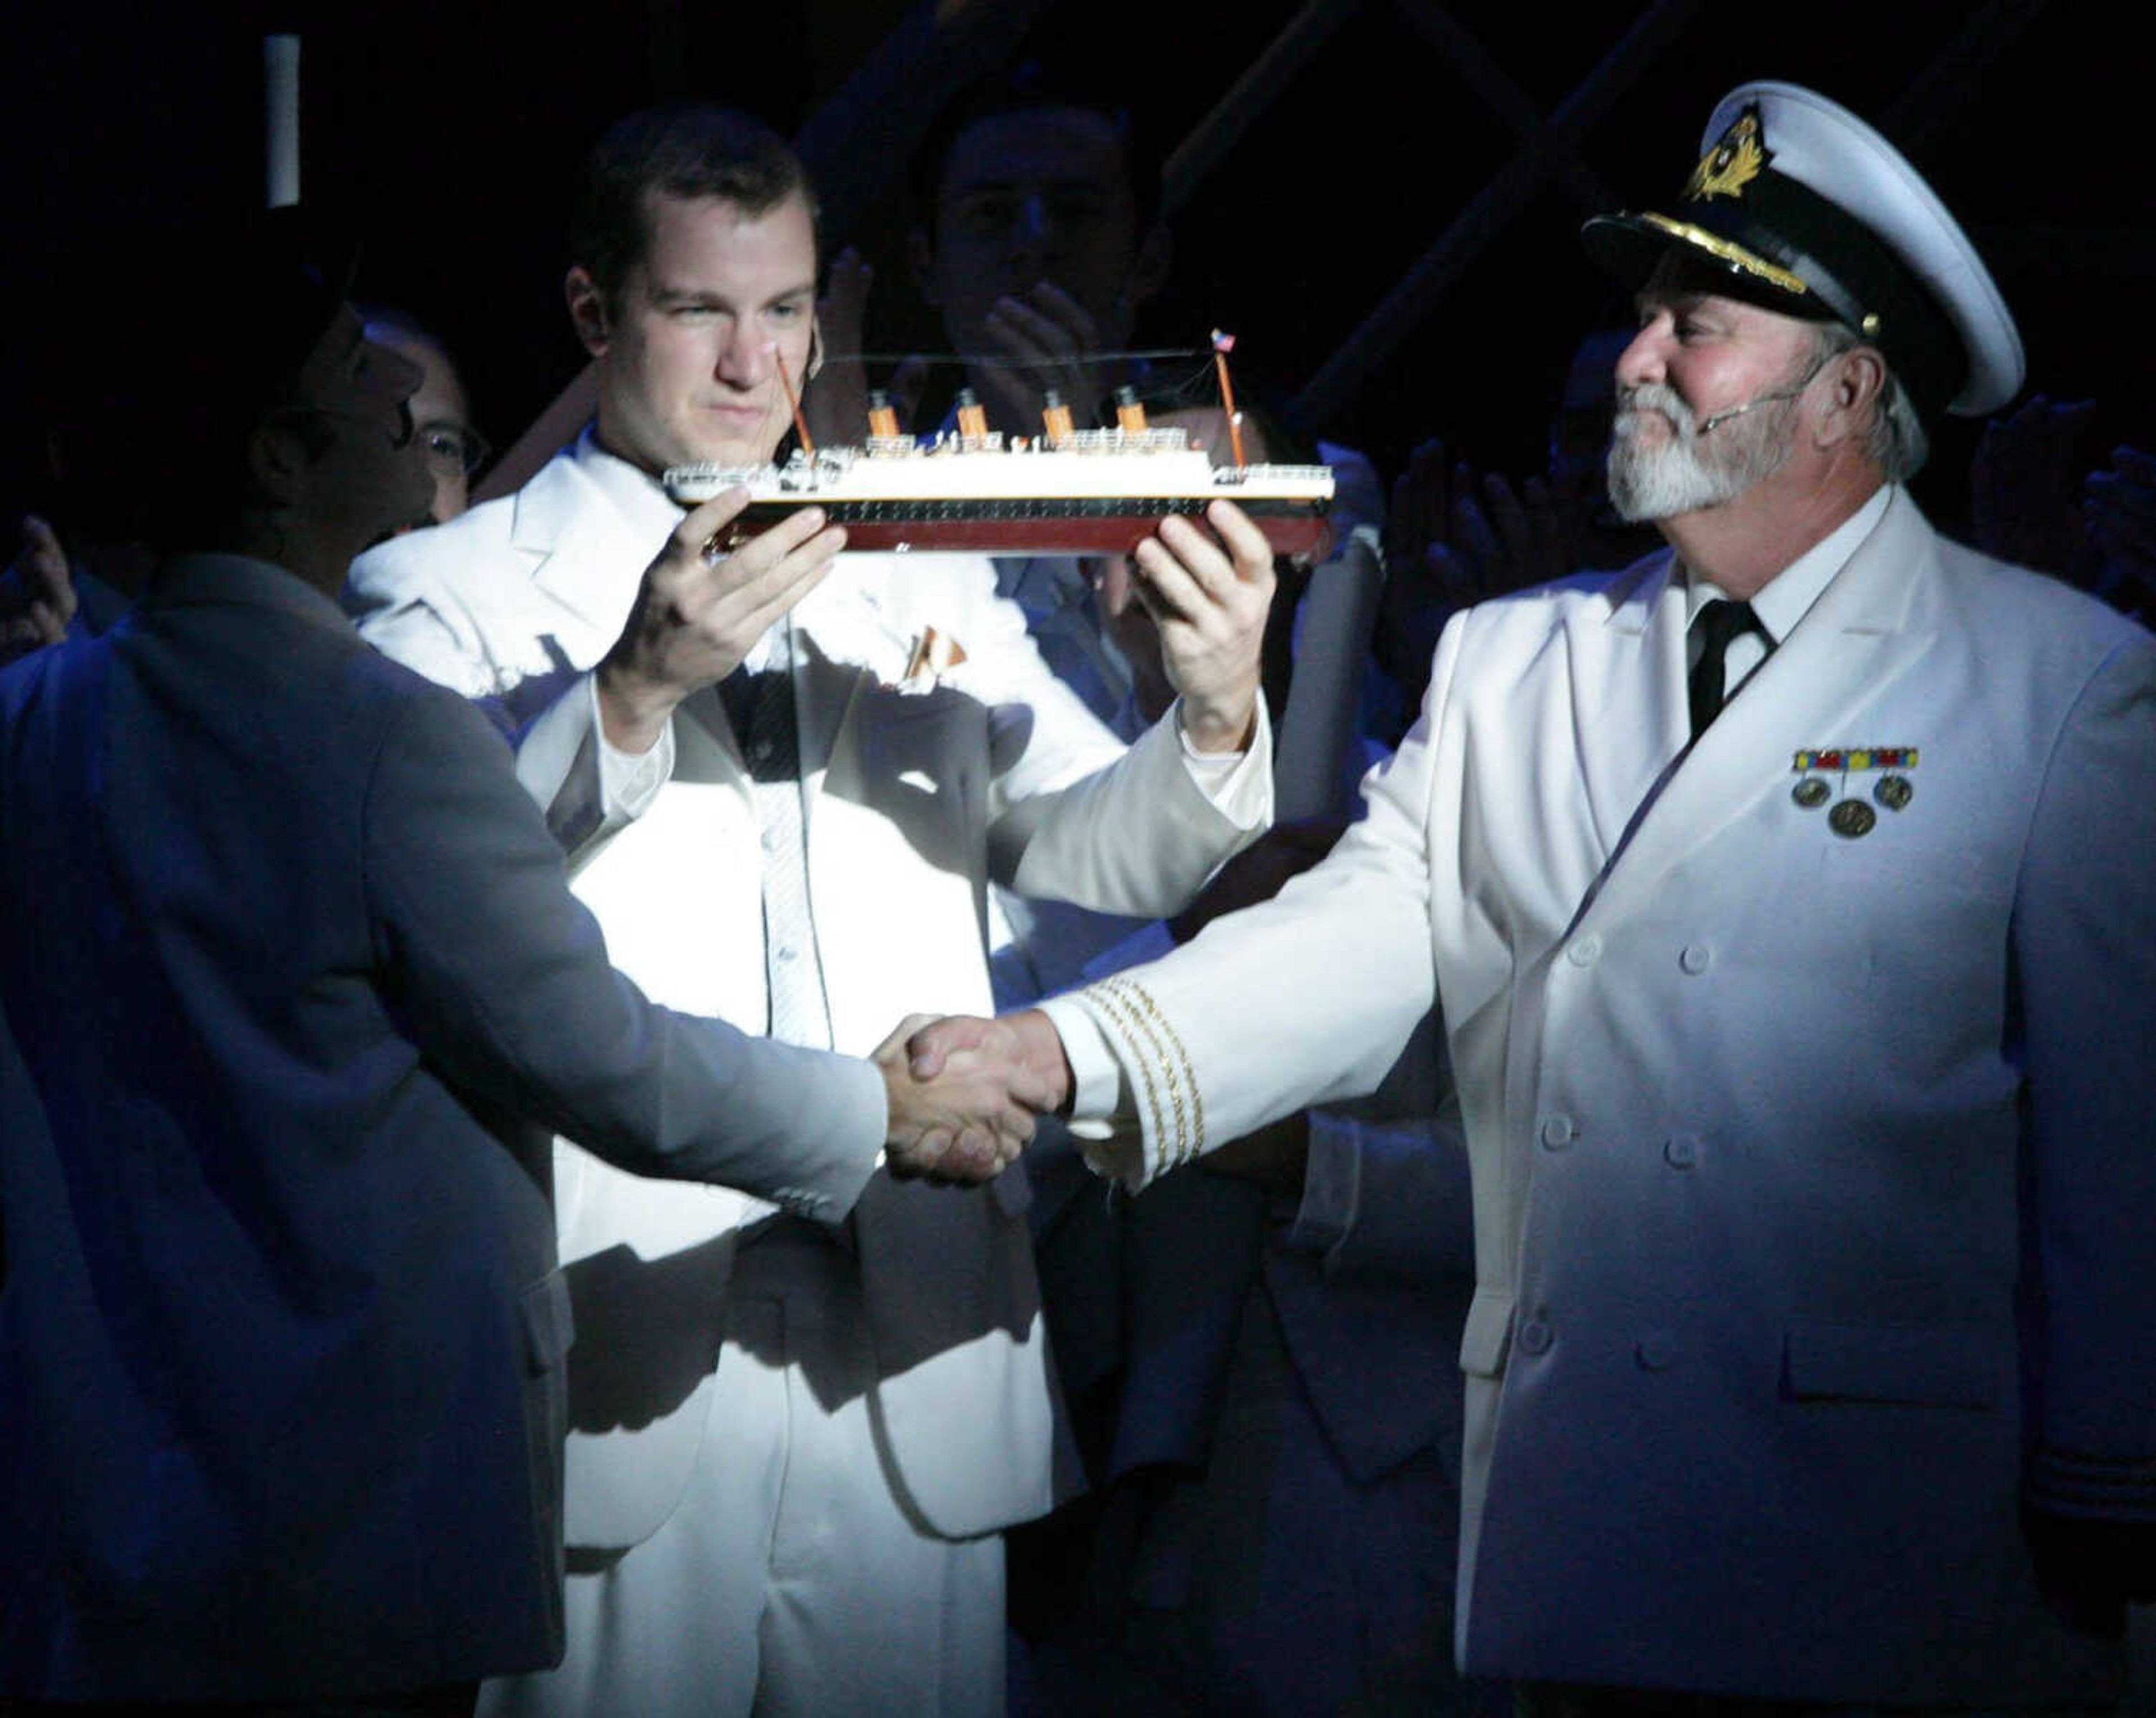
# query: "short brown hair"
x,y
686,149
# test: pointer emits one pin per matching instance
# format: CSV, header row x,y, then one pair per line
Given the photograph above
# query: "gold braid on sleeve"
x,y
1162,1062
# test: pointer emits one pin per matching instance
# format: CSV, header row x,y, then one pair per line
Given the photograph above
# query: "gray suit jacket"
x,y
286,946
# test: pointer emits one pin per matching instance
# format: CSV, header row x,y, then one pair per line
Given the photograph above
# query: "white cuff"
x,y
587,788
1109,1147
1239,784
629,781
1096,1081
1157,1114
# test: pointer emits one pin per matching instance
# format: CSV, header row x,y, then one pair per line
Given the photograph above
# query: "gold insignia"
x,y
1736,254
1733,163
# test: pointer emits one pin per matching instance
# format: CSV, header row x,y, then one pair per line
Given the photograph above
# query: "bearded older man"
x,y
1790,899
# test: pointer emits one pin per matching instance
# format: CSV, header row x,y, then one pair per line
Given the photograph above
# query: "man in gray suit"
x,y
291,965
1790,901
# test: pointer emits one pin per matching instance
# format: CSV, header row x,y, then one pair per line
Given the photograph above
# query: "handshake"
x,y
963,1092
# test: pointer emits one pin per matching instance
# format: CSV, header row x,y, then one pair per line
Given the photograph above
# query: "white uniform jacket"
x,y
917,789
1815,1172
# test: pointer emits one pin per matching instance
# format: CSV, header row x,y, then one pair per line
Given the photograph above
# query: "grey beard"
x,y
1689,472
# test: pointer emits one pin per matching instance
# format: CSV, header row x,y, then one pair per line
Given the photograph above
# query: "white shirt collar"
x,y
1788,597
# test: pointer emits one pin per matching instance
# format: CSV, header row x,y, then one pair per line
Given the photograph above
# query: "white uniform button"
x,y
771,840
1558,1132
1696,958
1657,1350
1584,951
1536,1336
786,952
1680,1150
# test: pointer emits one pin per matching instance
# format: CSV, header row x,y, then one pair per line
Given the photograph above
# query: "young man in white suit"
x,y
787,1477
1804,1044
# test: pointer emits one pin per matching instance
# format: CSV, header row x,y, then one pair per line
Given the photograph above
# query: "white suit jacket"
x,y
915,791
1812,1172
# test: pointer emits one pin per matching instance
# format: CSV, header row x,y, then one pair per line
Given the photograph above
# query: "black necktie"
x,y
1716,624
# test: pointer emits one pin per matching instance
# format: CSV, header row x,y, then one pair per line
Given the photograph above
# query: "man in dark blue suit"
x,y
288,970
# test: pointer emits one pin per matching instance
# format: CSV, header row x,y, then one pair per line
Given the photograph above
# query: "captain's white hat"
x,y
1805,207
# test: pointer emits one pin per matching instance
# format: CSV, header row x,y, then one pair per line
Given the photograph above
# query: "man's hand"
x,y
836,399
1049,339
1208,596
963,1114
1471,538
36,594
698,612
1027,1038
1521,541
1452,540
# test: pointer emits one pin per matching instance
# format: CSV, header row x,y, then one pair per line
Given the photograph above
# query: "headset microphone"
x,y
1764,399
1804,382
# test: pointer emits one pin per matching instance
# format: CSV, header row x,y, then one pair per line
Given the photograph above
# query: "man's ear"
x,y
279,463
588,311
1856,381
921,255
1149,268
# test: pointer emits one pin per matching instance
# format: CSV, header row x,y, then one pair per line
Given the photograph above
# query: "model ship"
x,y
1069,491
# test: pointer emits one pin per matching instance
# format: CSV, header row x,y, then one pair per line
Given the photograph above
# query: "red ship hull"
x,y
1294,528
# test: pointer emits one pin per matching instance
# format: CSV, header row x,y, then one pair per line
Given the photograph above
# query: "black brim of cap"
x,y
1769,248
1629,248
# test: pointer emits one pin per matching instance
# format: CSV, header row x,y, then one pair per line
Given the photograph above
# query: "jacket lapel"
x,y
1856,640
1627,655
587,556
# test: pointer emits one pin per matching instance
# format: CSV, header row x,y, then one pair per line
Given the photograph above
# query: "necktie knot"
x,y
1720,622
1717,626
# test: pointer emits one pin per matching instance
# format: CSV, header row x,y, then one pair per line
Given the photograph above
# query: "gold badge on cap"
x,y
1733,162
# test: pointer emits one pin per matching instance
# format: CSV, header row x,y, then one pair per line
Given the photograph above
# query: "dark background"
x,y
449,130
